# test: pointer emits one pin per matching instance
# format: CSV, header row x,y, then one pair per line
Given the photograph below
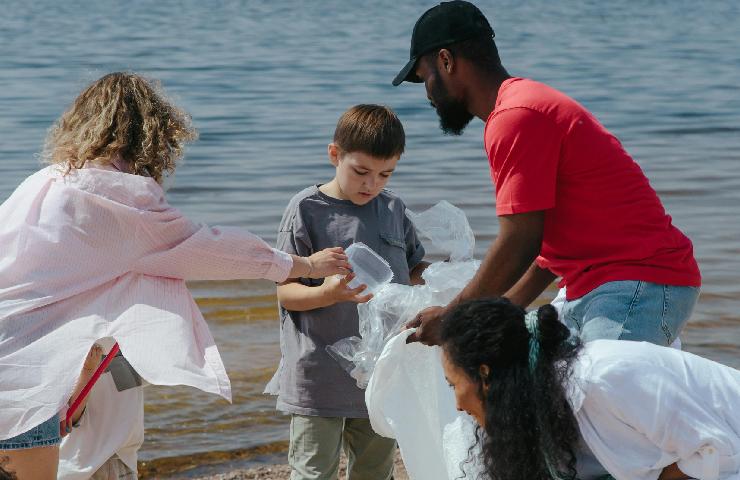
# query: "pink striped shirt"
x,y
99,253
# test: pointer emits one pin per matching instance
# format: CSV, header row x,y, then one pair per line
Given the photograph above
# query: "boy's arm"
x,y
415,274
294,238
297,297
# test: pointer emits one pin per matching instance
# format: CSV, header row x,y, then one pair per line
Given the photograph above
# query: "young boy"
x,y
327,408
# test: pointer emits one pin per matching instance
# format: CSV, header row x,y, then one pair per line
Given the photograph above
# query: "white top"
x,y
112,424
641,407
100,253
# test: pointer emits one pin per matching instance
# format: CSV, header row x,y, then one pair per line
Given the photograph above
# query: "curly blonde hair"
x,y
121,118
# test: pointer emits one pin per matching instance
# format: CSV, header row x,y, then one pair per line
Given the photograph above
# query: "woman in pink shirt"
x,y
90,249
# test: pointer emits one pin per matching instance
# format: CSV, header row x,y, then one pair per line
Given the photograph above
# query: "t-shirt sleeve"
x,y
414,249
523,148
293,235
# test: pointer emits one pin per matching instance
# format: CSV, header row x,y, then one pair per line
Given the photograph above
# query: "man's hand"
x,y
428,324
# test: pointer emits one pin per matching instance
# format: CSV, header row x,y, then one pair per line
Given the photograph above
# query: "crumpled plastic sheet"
x,y
448,229
393,305
406,393
408,399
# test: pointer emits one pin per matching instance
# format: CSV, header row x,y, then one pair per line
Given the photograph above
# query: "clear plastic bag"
x,y
448,229
394,305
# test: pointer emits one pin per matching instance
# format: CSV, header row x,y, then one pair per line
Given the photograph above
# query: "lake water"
x,y
265,83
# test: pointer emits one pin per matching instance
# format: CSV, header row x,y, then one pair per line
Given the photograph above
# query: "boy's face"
x,y
360,177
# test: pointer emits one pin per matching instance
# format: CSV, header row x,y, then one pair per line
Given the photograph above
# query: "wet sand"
x,y
282,472
277,472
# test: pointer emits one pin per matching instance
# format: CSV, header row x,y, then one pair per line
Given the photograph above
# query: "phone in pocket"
x,y
124,375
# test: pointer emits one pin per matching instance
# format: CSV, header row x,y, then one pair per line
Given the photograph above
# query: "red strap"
x,y
89,385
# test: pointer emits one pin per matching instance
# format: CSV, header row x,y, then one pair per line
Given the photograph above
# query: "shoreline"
x,y
265,465
282,472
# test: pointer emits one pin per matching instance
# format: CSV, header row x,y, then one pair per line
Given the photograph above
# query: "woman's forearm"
x,y
301,267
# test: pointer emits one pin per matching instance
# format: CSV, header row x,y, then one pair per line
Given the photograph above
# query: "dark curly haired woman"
x,y
544,402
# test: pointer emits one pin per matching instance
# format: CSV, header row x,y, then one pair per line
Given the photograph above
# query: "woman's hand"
x,y
92,361
329,261
336,290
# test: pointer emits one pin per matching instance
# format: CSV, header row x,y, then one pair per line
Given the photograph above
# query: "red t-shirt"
x,y
603,220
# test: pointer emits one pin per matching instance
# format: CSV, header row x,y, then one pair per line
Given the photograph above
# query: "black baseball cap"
x,y
442,25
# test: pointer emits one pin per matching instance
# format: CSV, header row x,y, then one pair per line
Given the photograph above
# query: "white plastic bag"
x,y
408,399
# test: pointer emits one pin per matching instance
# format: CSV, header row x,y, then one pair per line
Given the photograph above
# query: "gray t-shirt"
x,y
310,381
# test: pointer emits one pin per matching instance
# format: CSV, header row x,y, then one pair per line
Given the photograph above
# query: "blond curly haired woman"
x,y
90,249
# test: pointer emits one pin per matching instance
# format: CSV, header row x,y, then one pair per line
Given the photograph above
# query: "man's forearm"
x,y
530,286
504,264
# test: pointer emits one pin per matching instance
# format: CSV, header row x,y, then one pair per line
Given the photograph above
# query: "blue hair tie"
x,y
530,320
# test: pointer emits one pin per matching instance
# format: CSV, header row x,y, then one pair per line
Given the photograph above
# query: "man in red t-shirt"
x,y
571,201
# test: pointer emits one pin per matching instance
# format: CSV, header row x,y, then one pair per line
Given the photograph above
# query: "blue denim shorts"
x,y
43,435
631,310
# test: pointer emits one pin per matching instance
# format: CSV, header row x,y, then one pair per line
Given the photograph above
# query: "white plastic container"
x,y
369,267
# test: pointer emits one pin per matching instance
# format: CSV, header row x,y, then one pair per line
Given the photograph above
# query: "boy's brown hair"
x,y
371,129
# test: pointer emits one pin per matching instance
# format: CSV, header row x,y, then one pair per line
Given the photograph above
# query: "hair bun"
x,y
552,332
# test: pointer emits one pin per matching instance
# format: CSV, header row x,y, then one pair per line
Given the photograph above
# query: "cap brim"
x,y
407,73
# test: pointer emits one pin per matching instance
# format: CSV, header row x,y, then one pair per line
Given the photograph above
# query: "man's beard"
x,y
453,113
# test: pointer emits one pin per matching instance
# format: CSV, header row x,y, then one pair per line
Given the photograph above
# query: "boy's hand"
x,y
335,288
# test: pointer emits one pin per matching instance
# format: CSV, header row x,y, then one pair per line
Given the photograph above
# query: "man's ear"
x,y
445,61
333,151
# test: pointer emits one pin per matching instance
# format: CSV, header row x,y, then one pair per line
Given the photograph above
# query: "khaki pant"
x,y
114,469
315,444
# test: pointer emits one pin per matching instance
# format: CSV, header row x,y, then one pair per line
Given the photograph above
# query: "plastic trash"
x,y
406,393
394,305
408,399
448,229
369,268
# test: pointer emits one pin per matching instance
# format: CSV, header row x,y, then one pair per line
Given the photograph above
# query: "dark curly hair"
x,y
530,429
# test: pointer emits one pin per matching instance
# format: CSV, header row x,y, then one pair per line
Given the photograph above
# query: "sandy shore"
x,y
282,472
